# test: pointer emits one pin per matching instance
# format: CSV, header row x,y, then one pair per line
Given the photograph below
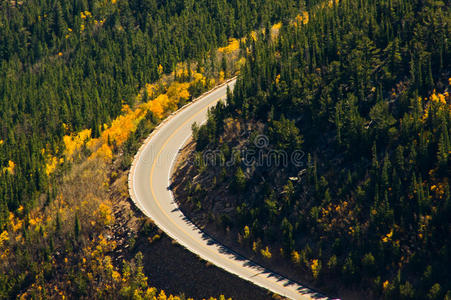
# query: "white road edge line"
x,y
304,292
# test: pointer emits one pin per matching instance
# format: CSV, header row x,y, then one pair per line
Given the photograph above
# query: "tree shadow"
x,y
245,262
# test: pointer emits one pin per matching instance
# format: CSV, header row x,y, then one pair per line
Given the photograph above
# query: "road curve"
x,y
149,181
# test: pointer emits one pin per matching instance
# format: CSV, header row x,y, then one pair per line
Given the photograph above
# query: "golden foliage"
x,y
253,35
387,237
315,267
73,143
10,168
266,253
103,152
85,14
277,26
295,257
121,127
157,106
104,213
301,19
233,45
246,232
15,223
275,29
178,91
436,100
221,76
385,284
51,164
3,237
332,2
198,77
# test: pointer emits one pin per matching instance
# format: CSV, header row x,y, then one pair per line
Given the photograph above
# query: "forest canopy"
x,y
362,88
68,66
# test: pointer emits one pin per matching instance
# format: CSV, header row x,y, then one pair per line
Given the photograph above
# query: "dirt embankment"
x,y
218,201
168,265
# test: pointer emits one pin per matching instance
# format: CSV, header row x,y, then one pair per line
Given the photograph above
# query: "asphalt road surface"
x,y
149,182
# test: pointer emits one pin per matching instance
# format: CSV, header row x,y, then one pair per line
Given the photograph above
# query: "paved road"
x,y
149,182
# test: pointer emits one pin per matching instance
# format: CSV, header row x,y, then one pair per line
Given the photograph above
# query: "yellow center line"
x,y
153,192
155,162
166,214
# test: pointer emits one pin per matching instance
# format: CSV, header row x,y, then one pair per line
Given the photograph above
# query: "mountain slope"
x,y
356,101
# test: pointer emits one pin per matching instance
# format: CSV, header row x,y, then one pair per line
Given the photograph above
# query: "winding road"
x,y
149,182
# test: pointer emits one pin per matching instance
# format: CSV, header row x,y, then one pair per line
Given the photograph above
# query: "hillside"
x,y
87,240
332,154
82,83
70,66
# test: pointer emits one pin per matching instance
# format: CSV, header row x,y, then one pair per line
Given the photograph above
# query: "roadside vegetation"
x,y
82,83
71,244
362,89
